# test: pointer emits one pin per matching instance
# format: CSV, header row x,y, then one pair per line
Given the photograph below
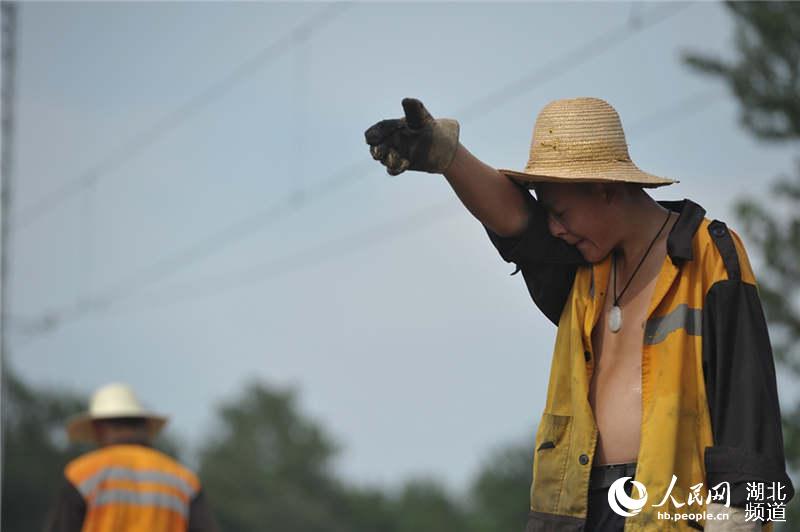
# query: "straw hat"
x,y
581,140
112,401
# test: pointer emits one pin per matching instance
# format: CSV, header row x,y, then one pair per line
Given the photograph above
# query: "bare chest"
x,y
615,392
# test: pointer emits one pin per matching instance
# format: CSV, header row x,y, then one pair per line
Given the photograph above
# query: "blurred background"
x,y
191,208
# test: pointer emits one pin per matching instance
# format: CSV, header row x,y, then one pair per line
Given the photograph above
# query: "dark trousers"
x,y
600,516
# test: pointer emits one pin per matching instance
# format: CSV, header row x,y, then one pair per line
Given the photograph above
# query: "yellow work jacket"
x,y
133,488
710,410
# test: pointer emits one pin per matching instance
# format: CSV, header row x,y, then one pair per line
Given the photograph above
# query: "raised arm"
x,y
489,195
515,221
419,142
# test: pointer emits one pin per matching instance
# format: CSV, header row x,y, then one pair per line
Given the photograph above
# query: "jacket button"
x,y
587,355
583,459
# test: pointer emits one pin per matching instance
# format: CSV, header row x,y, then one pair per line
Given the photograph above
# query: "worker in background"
x,y
126,485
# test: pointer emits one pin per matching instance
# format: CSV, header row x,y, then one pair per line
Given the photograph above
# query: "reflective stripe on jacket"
x,y
133,488
710,410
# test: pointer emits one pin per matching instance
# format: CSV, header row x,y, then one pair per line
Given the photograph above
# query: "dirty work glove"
x,y
414,142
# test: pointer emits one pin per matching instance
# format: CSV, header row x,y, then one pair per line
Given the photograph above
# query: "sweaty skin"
x,y
615,392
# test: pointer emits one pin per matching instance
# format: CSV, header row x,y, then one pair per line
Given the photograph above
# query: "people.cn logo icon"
x,y
621,503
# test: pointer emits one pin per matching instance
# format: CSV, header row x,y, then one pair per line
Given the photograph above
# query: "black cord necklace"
x,y
615,316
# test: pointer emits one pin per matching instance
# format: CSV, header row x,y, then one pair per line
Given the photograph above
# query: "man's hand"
x,y
414,142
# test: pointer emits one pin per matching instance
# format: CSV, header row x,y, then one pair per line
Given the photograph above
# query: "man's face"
x,y
579,215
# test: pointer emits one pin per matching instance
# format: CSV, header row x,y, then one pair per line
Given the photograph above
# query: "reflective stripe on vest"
x,y
142,498
133,488
681,317
132,475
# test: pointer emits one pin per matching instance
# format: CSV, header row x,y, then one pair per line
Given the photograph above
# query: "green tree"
x,y
267,467
369,509
764,74
35,450
425,506
270,468
764,78
499,495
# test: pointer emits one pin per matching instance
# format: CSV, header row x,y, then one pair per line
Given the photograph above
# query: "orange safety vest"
x,y
133,488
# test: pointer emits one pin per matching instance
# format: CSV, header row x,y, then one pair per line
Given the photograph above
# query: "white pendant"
x,y
615,319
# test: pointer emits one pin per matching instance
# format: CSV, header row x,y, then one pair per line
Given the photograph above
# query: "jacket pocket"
x,y
550,461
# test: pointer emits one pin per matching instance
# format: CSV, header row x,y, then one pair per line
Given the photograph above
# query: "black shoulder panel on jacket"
x,y
548,264
724,242
549,286
742,394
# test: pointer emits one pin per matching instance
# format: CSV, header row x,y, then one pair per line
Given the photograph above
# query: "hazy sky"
x,y
393,317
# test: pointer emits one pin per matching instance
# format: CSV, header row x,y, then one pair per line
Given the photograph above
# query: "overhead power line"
x,y
380,234
569,61
693,103
383,233
332,249
298,199
175,118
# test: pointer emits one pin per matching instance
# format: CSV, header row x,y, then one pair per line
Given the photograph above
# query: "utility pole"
x,y
9,30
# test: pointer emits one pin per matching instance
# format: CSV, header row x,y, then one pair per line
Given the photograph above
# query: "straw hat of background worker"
x,y
113,401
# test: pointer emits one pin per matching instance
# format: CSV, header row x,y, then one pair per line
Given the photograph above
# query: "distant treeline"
x,y
268,467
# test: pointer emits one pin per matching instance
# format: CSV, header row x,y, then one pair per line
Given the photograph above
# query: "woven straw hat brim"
x,y
581,140
587,172
79,428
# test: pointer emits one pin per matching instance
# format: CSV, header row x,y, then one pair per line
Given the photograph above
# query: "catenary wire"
x,y
173,119
297,200
335,248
